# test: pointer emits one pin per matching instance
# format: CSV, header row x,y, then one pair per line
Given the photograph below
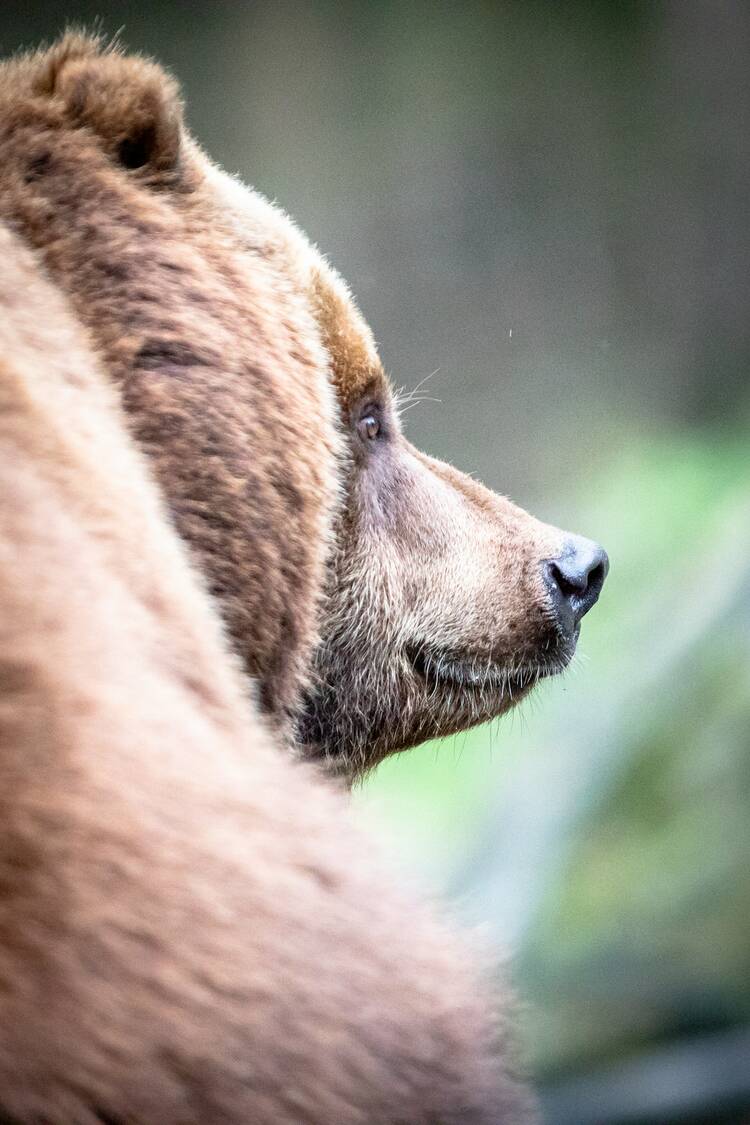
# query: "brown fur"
x,y
183,934
213,346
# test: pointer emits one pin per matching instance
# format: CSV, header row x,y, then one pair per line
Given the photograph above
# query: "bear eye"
x,y
368,426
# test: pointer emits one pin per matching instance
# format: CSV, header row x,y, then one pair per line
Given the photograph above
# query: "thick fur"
x,y
183,934
209,337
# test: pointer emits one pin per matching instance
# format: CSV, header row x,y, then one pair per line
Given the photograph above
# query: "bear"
x,y
375,596
370,597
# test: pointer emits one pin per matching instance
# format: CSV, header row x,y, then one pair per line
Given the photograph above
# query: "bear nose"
x,y
575,579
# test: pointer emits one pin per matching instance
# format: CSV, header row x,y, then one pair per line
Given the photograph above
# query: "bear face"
x,y
446,602
377,596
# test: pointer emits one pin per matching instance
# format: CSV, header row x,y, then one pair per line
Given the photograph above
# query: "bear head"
x,y
378,597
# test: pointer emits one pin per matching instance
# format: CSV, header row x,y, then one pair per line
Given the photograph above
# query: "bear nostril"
x,y
575,579
567,587
596,577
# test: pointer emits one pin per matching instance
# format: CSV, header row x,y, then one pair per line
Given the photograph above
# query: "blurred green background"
x,y
544,207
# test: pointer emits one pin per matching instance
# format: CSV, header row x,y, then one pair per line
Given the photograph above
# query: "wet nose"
x,y
575,579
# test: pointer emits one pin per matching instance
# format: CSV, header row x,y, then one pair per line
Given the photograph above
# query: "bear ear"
x,y
131,104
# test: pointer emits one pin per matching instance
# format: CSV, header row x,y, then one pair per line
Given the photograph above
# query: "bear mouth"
x,y
482,675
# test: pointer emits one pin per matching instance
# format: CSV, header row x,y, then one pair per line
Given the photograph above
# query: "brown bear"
x,y
442,603
209,939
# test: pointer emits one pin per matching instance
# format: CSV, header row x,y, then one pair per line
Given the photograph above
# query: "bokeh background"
x,y
543,209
